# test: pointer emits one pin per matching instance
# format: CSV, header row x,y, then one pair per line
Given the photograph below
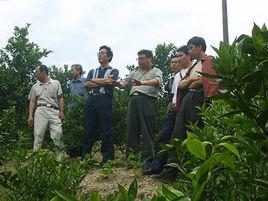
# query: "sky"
x,y
75,29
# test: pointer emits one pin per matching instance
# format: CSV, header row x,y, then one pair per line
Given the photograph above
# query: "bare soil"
x,y
108,184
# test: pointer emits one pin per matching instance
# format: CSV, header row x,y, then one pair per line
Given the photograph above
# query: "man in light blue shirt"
x,y
77,83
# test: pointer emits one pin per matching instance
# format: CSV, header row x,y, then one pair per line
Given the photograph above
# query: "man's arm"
x,y
61,108
184,84
96,82
32,106
158,78
198,83
152,82
119,84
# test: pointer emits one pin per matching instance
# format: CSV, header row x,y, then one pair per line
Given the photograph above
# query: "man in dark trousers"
x,y
191,96
98,112
179,65
146,82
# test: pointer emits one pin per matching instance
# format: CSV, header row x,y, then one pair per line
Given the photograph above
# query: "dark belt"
x,y
136,93
196,90
49,105
94,94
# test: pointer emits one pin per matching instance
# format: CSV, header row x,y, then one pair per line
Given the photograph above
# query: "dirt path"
x,y
105,185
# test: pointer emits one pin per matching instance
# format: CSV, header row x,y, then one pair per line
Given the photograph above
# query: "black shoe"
x,y
168,175
151,171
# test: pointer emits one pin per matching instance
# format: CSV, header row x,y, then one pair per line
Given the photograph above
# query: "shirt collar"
x,y
41,83
78,80
205,57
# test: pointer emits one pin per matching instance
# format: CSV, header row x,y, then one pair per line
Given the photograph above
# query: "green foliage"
x,y
108,167
73,126
37,177
18,60
169,193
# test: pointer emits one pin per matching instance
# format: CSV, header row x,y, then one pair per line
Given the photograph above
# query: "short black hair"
x,y
108,50
43,68
147,53
198,41
79,68
183,49
173,56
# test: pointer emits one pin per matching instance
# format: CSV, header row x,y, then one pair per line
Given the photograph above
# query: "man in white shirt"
x,y
179,66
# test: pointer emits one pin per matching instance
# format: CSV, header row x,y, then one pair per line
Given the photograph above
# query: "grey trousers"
x,y
140,122
48,117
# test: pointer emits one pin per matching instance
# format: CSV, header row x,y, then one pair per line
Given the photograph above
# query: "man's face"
x,y
144,62
75,73
184,59
175,65
194,51
39,74
103,56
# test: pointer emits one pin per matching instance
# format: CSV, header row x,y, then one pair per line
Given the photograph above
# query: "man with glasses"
x,y
99,84
146,82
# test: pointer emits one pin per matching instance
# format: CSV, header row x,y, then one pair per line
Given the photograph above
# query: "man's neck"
x,y
175,72
188,65
202,54
77,77
145,68
105,65
46,79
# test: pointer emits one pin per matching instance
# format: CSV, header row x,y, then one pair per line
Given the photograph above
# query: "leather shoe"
x,y
151,171
168,175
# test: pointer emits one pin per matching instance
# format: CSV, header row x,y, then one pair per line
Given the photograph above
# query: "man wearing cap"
x,y
46,108
146,82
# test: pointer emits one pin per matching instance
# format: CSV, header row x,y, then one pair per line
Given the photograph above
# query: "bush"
x,y
40,175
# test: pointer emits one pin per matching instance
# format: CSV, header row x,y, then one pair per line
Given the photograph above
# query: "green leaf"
x,y
175,165
95,196
200,185
253,88
61,196
263,182
263,118
171,193
258,39
231,148
251,76
133,189
197,148
228,114
123,192
225,158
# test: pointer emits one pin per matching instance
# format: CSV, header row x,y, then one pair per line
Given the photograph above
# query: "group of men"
x,y
188,90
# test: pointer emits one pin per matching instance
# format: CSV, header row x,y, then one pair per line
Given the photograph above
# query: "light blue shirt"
x,y
77,87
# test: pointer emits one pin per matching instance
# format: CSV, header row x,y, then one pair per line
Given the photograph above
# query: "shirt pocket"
x,y
52,94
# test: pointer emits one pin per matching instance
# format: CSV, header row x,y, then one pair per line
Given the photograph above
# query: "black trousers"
x,y
140,122
164,138
98,113
188,112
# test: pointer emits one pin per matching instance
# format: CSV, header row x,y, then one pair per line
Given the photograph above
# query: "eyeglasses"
x,y
174,62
